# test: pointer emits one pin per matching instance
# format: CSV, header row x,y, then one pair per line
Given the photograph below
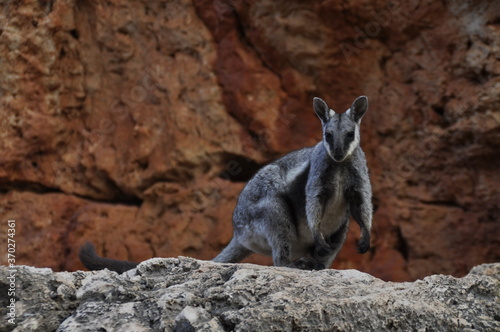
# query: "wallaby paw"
x,y
307,263
320,252
363,245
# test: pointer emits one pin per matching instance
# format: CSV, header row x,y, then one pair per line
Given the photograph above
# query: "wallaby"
x,y
296,209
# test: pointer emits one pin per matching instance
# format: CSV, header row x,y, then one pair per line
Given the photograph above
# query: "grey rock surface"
x,y
184,294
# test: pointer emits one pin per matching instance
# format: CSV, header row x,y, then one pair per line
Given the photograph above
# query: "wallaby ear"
x,y
322,110
359,107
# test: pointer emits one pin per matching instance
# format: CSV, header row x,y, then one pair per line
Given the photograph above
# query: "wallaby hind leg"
x,y
282,235
233,253
307,263
335,241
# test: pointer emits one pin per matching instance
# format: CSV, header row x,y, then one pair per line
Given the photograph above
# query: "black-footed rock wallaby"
x,y
296,209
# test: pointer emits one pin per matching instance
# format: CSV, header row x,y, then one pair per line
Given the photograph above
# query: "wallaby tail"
x,y
92,261
233,253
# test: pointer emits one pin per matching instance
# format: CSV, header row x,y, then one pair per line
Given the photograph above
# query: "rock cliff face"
x,y
189,295
135,124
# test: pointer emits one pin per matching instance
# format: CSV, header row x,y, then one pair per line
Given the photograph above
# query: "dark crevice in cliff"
x,y
75,34
438,109
116,193
118,199
402,245
383,62
26,186
246,40
238,168
375,203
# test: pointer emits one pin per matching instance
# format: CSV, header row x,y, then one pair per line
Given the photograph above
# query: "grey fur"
x,y
296,209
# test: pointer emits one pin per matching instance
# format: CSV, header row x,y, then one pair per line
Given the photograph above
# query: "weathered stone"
x,y
135,124
183,294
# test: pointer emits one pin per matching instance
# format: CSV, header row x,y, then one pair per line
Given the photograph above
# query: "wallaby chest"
x,y
334,205
334,200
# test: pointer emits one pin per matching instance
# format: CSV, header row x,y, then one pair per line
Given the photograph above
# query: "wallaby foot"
x,y
363,244
307,263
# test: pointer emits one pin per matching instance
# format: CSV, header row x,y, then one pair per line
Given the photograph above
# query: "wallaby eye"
x,y
328,136
350,135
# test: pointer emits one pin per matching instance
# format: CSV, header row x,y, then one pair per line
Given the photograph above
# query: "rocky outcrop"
x,y
183,294
135,124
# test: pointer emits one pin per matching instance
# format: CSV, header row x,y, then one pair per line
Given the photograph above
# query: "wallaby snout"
x,y
338,155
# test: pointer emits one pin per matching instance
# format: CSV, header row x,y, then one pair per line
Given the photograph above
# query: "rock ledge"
x,y
184,294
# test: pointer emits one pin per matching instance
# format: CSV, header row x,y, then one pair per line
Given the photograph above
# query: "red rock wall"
x,y
135,124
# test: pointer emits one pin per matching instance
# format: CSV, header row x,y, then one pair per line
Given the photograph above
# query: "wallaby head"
x,y
341,131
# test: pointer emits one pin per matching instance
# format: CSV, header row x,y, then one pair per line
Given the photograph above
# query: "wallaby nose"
x,y
338,155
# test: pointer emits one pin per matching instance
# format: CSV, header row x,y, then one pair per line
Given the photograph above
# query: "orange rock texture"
x,y
135,124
